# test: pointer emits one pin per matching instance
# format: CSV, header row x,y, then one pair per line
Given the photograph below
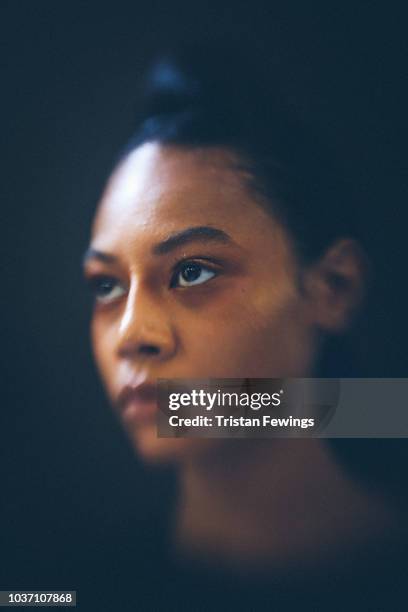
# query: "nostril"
x,y
149,349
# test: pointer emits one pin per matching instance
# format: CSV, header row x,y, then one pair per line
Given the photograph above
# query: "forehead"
x,y
160,189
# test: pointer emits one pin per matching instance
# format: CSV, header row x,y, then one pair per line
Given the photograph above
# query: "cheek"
x,y
103,351
264,337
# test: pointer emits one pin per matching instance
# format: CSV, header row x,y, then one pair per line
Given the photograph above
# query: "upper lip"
x,y
143,392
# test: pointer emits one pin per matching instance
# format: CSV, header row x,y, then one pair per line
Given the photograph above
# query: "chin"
x,y
152,449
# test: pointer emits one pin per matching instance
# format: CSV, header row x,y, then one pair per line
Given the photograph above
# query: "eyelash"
x,y
96,282
208,266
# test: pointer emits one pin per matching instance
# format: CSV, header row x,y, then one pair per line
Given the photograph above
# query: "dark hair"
x,y
202,97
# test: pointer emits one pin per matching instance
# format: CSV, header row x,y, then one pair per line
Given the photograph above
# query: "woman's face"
x,y
192,279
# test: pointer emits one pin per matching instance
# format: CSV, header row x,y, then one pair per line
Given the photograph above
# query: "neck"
x,y
274,504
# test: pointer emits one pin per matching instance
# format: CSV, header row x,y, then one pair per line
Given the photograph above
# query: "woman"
x,y
225,246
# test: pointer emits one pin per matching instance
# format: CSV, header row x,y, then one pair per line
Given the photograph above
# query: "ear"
x,y
335,286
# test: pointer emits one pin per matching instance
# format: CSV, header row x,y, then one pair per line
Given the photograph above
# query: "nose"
x,y
144,327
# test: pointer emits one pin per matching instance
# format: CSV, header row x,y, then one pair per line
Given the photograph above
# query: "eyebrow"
x,y
166,246
99,255
189,235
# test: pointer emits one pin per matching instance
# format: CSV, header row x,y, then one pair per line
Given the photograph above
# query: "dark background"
x,y
76,505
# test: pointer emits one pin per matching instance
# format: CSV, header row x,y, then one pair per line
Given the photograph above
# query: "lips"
x,y
138,403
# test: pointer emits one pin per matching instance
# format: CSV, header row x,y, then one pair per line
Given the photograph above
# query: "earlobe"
x,y
335,285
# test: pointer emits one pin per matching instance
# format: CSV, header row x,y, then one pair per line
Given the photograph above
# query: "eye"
x,y
106,289
191,273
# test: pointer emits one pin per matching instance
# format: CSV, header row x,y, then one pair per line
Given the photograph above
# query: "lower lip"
x,y
140,412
